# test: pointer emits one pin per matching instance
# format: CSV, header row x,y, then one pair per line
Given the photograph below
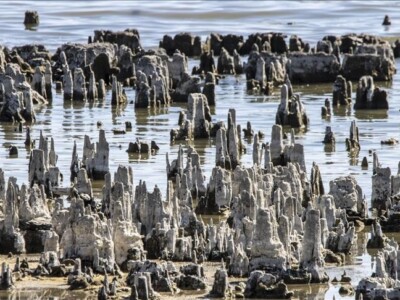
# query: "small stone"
x,y
387,21
390,141
364,163
31,18
13,151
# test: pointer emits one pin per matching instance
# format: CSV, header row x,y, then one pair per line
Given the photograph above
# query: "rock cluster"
x,y
281,226
370,97
291,111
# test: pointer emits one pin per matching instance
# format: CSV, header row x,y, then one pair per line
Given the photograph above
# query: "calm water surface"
x,y
74,21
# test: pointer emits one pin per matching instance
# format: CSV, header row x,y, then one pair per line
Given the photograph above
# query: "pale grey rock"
x,y
197,108
88,237
348,195
311,255
48,80
267,249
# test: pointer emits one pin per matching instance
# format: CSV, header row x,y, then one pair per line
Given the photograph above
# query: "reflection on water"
x,y
372,115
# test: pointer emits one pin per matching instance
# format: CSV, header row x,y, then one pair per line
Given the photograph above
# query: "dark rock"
x,y
191,282
31,18
370,97
312,68
386,21
184,42
347,290
262,285
376,61
296,44
101,68
207,63
128,37
341,91
13,151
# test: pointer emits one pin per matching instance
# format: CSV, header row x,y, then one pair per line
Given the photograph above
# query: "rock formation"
x,y
370,97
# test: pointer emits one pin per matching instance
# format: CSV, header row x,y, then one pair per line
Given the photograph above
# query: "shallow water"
x,y
73,21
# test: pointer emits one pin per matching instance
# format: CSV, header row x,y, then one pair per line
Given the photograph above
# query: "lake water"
x,y
74,21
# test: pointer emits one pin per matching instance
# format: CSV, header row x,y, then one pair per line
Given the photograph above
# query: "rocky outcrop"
x,y
348,195
31,18
195,124
186,86
312,68
262,285
267,252
353,142
381,186
370,97
184,42
96,163
311,255
6,278
12,238
291,111
129,37
342,90
88,237
373,60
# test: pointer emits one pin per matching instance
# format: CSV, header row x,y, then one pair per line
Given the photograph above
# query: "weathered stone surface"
x,y
296,44
97,164
353,142
31,18
348,195
185,87
291,112
311,255
341,91
373,60
312,68
261,285
370,97
129,37
381,187
184,42
79,87
6,278
267,251
118,95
